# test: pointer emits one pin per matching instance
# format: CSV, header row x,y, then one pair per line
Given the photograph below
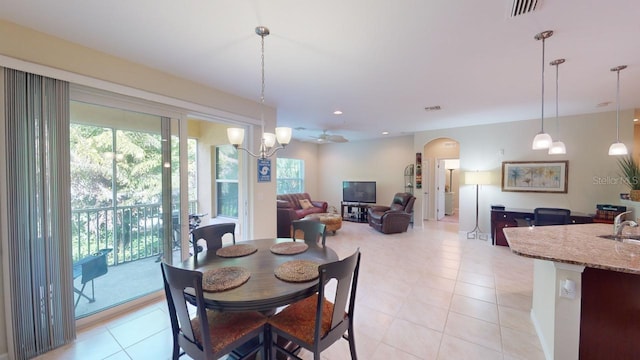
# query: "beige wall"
x,y
382,161
209,135
587,138
55,54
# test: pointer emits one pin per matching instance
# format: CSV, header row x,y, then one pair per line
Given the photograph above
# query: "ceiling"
x,y
380,62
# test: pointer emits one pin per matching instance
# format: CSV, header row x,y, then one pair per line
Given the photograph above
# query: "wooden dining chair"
x,y
316,324
210,334
213,234
314,231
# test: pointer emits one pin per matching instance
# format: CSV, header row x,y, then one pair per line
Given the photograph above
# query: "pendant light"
x,y
618,148
557,147
542,140
268,146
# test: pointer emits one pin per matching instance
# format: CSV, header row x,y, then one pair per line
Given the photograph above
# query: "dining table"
x,y
263,291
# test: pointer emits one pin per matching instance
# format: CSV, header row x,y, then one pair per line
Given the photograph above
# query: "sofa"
x,y
394,218
290,207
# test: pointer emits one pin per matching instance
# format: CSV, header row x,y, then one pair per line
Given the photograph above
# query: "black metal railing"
x,y
133,232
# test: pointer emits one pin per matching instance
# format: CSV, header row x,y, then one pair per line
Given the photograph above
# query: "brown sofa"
x,y
289,209
395,218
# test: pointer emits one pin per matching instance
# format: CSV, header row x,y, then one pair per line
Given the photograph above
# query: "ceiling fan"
x,y
326,138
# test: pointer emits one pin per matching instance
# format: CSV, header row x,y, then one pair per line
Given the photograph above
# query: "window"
x,y
227,181
290,176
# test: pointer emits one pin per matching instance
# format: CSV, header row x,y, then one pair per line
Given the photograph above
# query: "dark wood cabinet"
x,y
501,219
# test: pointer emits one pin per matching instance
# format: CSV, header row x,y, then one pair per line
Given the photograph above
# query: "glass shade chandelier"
x,y
543,140
557,147
618,148
282,135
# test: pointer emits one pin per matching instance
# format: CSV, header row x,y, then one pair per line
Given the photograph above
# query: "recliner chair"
x,y
394,218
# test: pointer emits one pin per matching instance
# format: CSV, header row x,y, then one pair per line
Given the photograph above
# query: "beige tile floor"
x,y
423,294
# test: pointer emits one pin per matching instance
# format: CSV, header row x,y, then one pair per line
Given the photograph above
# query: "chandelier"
x,y
282,135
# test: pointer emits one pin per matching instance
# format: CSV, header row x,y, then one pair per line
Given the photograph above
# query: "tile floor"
x,y
423,294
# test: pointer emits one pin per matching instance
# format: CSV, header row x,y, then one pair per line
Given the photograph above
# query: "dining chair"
x,y
551,216
213,234
315,323
210,334
314,231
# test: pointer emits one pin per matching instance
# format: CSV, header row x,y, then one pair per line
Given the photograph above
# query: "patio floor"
x,y
122,283
129,281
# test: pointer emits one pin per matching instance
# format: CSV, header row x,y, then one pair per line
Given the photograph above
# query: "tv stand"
x,y
359,215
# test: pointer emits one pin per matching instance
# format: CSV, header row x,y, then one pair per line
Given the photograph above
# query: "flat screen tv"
x,y
359,191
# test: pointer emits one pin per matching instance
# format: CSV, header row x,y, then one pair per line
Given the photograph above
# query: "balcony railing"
x,y
133,232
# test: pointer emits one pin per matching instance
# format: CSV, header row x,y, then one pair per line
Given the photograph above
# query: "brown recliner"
x,y
395,218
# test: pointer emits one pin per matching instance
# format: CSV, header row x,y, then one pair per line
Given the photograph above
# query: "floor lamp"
x,y
476,178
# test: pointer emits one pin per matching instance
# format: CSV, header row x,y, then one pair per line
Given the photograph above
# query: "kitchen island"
x,y
586,295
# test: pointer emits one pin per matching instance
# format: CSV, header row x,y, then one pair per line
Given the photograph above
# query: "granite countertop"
x,y
576,244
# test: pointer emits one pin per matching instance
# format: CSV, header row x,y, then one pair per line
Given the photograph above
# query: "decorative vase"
x,y
634,195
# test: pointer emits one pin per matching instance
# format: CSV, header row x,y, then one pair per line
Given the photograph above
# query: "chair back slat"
x,y
213,234
176,281
551,216
345,272
314,231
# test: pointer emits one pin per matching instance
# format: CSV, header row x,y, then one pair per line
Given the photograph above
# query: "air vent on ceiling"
x,y
433,108
521,7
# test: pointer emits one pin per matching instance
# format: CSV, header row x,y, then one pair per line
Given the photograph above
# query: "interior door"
x,y
440,183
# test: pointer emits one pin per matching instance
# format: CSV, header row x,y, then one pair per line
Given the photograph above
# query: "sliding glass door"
x,y
125,203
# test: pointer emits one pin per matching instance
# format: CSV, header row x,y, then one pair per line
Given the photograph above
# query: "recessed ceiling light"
x,y
337,112
432,108
385,133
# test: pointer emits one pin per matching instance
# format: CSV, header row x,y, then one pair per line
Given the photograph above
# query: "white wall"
x,y
587,138
382,161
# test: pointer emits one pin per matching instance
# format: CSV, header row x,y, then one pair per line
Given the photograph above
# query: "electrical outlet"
x,y
568,289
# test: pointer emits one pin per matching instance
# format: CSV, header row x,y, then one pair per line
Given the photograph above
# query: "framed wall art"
x,y
535,176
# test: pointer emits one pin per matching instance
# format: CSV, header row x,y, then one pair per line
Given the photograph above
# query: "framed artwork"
x,y
535,176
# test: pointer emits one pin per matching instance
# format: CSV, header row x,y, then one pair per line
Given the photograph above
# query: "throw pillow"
x,y
306,204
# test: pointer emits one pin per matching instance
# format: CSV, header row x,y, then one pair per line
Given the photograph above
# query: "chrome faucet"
x,y
619,224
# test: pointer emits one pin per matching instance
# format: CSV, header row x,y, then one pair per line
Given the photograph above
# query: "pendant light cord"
x,y
618,107
262,88
542,115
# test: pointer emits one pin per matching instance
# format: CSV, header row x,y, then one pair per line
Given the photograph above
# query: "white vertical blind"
x,y
38,217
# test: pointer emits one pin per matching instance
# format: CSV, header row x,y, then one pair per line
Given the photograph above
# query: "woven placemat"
x,y
236,250
297,271
224,278
289,248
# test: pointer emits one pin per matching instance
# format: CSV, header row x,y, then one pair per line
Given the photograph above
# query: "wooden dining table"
x,y
263,291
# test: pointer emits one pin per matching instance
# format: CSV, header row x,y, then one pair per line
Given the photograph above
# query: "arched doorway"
x,y
441,177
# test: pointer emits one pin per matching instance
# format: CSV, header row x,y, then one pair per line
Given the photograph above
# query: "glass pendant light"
x,y
557,147
542,140
618,148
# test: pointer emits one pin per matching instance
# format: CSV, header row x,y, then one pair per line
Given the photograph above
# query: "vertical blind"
x,y
38,202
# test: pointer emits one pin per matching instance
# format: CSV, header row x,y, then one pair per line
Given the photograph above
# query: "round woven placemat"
x,y
224,278
297,271
289,248
236,250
